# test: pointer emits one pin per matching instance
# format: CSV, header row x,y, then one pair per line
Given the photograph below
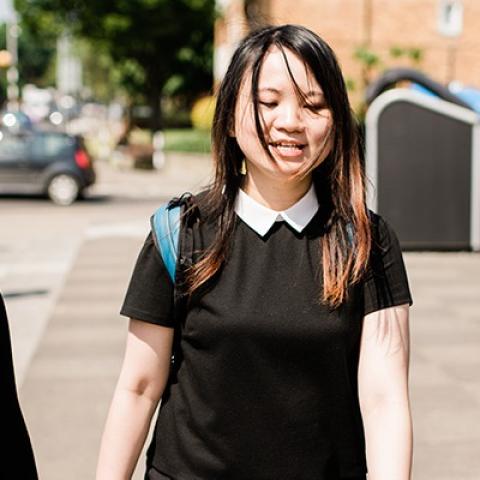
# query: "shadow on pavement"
x,y
26,293
24,197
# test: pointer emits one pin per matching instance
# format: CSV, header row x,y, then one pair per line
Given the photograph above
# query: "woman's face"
x,y
296,131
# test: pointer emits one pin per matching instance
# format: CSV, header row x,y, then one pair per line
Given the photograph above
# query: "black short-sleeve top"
x,y
267,384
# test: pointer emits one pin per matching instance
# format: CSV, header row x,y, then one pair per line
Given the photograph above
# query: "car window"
x,y
13,147
52,145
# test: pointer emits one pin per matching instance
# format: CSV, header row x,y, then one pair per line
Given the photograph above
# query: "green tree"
x,y
414,54
371,63
36,47
150,41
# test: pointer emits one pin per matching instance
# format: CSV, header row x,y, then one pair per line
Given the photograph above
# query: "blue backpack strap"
x,y
166,228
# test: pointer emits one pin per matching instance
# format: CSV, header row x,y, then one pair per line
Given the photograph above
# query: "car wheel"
x,y
63,189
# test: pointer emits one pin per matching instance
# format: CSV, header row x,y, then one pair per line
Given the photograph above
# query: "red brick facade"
x,y
379,25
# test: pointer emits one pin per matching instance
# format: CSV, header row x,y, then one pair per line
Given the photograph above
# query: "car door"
x,y
15,167
51,152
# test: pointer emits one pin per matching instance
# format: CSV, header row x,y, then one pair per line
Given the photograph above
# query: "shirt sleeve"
x,y
386,282
149,294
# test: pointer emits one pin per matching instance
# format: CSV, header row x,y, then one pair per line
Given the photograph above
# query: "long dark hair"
x,y
339,179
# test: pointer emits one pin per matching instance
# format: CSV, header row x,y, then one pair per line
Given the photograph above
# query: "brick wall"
x,y
382,24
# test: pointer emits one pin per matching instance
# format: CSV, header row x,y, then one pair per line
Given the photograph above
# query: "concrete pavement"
x,y
70,379
69,384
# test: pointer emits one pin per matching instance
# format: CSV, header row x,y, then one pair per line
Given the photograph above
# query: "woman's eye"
x,y
269,104
315,107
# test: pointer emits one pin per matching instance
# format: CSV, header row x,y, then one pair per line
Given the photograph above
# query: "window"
x,y
12,147
49,145
450,17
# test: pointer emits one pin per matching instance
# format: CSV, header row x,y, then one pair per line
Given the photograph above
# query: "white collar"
x,y
261,218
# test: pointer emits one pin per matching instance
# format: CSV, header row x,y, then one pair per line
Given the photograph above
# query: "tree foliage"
x,y
36,47
149,41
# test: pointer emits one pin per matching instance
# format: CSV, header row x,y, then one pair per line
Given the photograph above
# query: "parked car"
x,y
45,162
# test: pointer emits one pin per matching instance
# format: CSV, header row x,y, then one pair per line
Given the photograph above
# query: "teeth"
x,y
287,145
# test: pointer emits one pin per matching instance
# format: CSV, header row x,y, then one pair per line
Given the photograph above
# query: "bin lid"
x,y
469,95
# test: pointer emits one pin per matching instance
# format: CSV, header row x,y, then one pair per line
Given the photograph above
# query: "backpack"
x,y
169,228
166,230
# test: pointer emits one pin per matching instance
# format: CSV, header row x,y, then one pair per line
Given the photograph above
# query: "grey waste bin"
x,y
423,166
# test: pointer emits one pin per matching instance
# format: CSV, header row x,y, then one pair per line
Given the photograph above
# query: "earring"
x,y
243,167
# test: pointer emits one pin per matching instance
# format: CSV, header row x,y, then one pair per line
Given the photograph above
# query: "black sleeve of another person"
x,y
17,454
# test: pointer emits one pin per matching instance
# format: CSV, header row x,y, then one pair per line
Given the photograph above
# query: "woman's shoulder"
x,y
199,199
379,224
196,210
192,206
383,233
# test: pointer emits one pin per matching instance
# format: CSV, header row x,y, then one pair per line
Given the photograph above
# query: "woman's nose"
x,y
289,117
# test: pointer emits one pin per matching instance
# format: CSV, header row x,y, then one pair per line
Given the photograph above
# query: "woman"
x,y
293,343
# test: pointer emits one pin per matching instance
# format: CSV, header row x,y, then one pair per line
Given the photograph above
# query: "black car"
x,y
45,162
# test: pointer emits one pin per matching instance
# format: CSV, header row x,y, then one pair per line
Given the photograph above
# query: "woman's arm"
x,y
383,393
141,383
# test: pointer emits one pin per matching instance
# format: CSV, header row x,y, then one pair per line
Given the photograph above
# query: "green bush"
x,y
187,140
202,113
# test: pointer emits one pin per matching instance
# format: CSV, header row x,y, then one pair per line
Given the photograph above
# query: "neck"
x,y
276,195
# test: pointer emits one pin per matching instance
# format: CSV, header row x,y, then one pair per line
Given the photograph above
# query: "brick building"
x,y
440,37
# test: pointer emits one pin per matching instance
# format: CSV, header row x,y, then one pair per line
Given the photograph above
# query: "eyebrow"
x,y
310,93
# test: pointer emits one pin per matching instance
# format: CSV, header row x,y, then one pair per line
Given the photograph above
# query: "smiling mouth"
x,y
288,146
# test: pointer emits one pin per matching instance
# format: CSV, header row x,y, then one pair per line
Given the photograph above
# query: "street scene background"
x,y
141,97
